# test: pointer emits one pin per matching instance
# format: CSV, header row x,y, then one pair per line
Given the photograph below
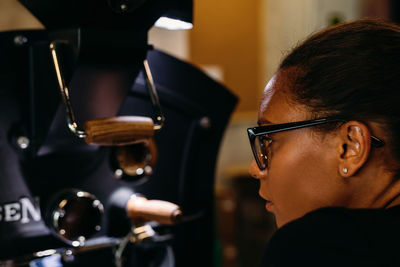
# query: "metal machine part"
x,y
108,79
66,256
74,220
75,216
136,127
133,162
55,159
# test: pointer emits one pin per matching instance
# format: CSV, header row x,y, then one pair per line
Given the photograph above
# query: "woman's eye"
x,y
266,150
266,140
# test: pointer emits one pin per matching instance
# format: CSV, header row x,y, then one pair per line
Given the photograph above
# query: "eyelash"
x,y
267,138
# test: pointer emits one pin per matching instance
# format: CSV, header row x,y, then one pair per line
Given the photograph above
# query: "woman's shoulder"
x,y
337,237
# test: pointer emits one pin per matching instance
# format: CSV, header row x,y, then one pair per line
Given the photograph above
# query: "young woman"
x,y
327,149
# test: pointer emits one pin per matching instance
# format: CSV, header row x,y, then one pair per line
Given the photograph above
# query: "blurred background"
x,y
240,44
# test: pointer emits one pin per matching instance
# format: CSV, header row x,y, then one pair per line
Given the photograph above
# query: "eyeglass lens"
x,y
261,151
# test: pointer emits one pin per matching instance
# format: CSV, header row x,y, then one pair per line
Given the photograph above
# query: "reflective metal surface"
x,y
75,216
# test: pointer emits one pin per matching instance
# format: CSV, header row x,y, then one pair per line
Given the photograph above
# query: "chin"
x,y
281,222
278,223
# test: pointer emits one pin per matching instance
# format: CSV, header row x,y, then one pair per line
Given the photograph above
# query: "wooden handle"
x,y
118,131
163,212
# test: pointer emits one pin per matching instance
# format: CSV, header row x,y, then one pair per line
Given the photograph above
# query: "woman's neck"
x,y
390,196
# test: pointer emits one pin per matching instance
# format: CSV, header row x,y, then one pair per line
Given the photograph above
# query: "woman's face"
x,y
302,174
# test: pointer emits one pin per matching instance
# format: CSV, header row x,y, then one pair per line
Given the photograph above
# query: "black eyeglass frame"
x,y
276,128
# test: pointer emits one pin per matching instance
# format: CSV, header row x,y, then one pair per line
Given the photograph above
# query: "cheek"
x,y
297,179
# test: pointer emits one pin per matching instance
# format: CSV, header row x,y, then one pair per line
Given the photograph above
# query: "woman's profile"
x,y
327,149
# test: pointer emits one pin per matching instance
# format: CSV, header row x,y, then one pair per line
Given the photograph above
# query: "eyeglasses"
x,y
260,141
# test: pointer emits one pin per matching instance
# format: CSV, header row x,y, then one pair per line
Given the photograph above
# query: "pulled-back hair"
x,y
352,71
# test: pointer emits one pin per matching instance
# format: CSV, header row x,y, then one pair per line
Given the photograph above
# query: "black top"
x,y
338,237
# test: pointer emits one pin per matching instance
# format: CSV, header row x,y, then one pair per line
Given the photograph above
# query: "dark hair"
x,y
351,71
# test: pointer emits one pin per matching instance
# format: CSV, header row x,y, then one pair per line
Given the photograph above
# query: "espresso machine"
x,y
107,145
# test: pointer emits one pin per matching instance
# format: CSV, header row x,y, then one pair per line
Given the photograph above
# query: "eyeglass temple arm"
x,y
72,125
376,142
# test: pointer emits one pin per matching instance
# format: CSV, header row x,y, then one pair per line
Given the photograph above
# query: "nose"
x,y
254,171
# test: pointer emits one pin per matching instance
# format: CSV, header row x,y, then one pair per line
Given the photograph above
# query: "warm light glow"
x,y
173,24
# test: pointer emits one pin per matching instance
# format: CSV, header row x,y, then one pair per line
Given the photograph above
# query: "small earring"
x,y
345,170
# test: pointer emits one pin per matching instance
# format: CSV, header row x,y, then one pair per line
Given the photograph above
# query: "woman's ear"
x,y
354,147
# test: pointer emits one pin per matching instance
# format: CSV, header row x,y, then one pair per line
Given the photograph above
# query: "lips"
x,y
268,204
